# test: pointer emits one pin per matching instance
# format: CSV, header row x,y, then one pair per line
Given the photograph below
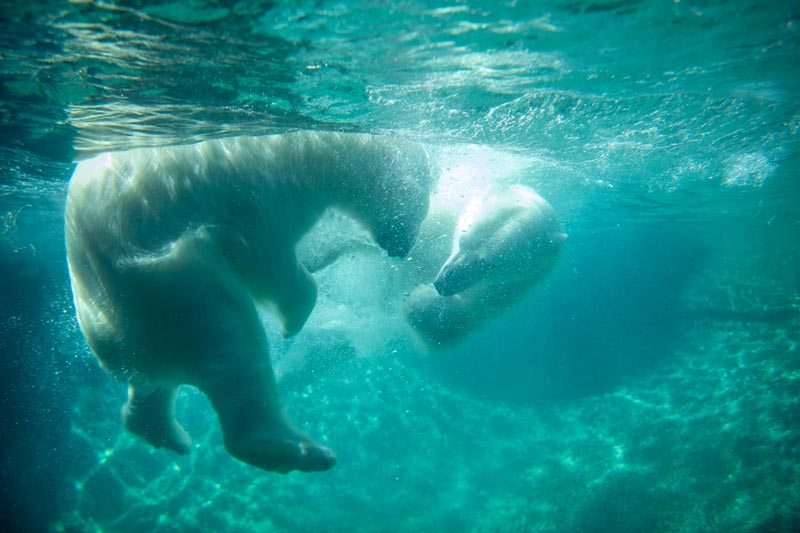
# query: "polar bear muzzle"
x,y
458,273
396,243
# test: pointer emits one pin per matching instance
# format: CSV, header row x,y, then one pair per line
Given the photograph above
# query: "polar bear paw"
x,y
282,451
150,418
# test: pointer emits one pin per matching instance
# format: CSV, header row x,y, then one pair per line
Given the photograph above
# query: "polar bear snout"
x,y
458,273
397,233
444,281
441,287
396,243
398,223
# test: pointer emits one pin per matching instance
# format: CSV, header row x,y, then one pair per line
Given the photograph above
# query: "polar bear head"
x,y
504,237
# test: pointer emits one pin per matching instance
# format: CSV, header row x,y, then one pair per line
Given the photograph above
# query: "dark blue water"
x,y
649,383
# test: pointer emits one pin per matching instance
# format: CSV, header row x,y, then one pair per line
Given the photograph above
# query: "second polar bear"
x,y
170,249
505,241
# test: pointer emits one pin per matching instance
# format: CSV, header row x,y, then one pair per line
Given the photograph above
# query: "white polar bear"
x,y
505,241
169,250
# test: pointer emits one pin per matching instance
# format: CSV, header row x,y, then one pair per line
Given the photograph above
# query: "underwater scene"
x,y
554,245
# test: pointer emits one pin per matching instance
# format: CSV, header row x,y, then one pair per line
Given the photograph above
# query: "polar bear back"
x,y
232,210
146,198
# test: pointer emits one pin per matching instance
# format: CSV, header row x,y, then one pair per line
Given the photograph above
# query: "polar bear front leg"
x,y
234,370
255,427
195,322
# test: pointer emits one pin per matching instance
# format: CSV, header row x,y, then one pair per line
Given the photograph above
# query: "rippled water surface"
x,y
649,383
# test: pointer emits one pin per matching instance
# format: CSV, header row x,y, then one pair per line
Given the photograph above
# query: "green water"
x,y
649,383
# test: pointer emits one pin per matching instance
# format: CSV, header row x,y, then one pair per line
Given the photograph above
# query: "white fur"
x,y
169,250
505,241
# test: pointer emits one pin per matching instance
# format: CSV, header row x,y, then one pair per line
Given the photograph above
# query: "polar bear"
x,y
506,240
170,249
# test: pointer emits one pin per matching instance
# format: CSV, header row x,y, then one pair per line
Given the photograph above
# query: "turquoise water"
x,y
649,383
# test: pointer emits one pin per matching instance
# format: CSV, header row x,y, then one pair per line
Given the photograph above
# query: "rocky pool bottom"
x,y
707,440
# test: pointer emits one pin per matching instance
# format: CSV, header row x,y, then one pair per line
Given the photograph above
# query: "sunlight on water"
x,y
468,169
748,170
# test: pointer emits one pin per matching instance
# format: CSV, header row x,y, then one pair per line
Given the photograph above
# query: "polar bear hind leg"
x,y
151,415
195,322
257,431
